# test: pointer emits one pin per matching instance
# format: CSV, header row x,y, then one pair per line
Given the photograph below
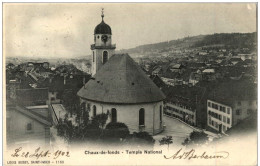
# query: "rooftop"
x,y
232,91
185,95
121,81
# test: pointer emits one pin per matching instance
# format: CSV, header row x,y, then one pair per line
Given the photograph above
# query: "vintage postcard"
x,y
129,84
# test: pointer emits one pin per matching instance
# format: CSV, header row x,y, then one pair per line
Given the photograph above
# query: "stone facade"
x,y
129,114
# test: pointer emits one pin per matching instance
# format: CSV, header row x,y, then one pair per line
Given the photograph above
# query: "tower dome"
x,y
103,28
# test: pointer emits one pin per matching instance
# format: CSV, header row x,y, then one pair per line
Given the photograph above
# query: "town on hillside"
x,y
191,91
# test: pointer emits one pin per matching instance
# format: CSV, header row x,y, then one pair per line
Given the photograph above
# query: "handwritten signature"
x,y
192,155
38,153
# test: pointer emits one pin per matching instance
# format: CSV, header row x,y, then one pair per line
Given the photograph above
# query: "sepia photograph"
x,y
130,83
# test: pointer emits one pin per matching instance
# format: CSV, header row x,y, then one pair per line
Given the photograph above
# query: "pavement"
x,y
178,130
60,111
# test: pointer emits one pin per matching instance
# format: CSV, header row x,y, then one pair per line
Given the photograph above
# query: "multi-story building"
x,y
182,112
185,103
219,116
230,103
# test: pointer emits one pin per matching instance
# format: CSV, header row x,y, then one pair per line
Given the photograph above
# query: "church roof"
x,y
103,28
121,81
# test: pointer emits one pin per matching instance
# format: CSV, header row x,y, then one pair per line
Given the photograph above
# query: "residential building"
x,y
230,103
185,103
32,128
30,97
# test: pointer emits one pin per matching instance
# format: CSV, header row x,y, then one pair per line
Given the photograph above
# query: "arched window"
x,y
141,116
160,113
93,56
105,57
94,110
114,115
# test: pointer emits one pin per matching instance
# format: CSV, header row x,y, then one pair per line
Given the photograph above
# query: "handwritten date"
x,y
38,153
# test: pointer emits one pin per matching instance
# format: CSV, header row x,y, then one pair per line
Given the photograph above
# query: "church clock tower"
x,y
103,48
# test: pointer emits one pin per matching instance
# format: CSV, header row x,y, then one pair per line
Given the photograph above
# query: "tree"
x,y
70,100
144,136
85,113
60,128
166,141
116,130
100,120
196,138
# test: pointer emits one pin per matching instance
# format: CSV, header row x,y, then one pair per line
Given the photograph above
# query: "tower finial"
x,y
102,13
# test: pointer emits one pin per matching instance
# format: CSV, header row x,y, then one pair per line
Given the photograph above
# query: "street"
x,y
178,130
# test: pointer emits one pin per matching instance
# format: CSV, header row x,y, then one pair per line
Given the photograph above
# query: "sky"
x,y
65,30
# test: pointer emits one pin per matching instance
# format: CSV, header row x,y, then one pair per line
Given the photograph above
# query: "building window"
x,y
52,98
237,112
161,113
94,111
141,116
224,128
209,104
105,57
239,103
228,120
224,119
114,115
228,110
93,56
29,127
215,106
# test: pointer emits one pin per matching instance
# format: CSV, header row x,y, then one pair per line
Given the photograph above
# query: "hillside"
x,y
223,40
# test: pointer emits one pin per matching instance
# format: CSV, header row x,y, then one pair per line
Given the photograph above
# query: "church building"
x,y
120,88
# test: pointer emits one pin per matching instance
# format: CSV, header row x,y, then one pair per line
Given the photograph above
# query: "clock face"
x,y
104,38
